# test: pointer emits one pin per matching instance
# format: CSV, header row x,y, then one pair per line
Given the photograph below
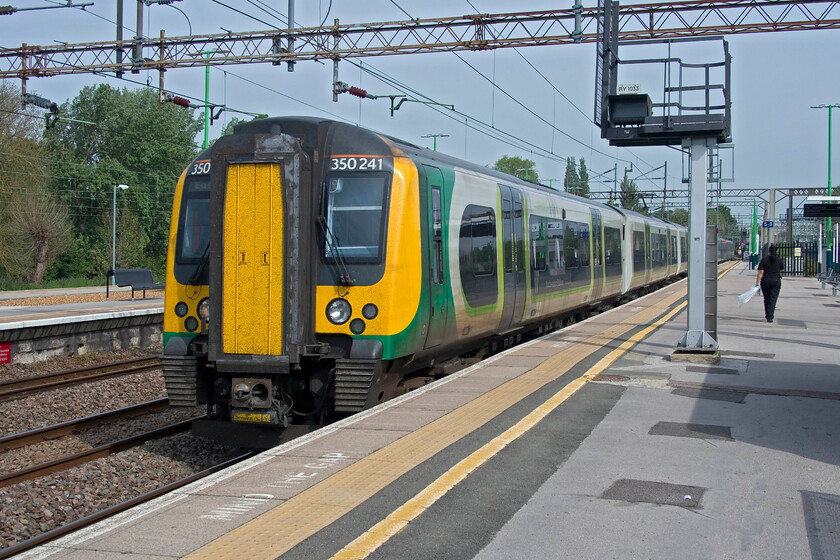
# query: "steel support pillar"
x,y
696,339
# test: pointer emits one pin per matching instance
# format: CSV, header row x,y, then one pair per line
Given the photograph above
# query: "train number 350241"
x,y
362,163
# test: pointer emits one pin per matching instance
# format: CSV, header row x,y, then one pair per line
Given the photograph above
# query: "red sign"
x,y
5,352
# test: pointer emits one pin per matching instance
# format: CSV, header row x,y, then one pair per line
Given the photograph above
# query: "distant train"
x,y
317,268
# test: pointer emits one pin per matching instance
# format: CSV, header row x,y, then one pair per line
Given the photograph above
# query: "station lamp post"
x,y
114,230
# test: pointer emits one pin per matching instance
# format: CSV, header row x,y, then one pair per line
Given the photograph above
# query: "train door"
x,y
597,245
513,259
438,310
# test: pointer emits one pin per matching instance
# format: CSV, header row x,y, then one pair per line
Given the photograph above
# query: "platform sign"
x,y
822,210
767,224
5,352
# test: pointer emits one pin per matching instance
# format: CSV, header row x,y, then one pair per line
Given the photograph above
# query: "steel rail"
x,y
670,20
115,509
82,457
55,431
18,388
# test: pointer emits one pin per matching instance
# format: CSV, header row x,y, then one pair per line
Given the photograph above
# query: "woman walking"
x,y
770,278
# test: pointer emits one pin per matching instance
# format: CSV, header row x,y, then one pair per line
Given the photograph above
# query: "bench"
x,y
137,278
835,285
827,277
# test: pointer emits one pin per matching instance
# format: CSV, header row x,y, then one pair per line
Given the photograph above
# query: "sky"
x,y
539,100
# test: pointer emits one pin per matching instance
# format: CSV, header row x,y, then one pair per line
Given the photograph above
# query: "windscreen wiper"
x,y
205,258
334,248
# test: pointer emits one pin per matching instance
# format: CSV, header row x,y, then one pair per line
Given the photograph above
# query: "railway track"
x,y
113,510
81,457
19,388
47,433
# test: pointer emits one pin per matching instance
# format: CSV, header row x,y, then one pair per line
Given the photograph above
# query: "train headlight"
x,y
204,310
339,311
181,309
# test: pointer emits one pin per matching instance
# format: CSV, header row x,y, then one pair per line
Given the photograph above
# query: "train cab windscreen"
x,y
355,216
194,228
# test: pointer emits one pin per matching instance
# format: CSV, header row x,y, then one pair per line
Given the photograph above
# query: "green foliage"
x,y
520,167
135,141
629,197
722,217
228,129
728,227
583,177
571,181
34,224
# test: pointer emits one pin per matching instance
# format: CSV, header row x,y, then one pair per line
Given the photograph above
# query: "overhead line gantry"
x,y
477,32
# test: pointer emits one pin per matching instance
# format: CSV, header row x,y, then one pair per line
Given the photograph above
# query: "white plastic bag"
x,y
747,296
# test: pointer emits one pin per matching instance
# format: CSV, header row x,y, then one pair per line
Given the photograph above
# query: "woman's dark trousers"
x,y
770,287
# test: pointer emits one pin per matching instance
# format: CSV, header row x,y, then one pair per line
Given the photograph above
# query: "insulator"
x,y
181,101
39,101
358,92
7,10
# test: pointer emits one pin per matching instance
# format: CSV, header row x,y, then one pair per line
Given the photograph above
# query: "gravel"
x,y
33,507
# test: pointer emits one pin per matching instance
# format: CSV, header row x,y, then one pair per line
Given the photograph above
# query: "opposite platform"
x,y
587,443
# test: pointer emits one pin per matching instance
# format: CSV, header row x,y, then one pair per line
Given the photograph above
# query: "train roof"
x,y
307,129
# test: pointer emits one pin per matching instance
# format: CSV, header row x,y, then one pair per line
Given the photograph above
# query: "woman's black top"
x,y
771,269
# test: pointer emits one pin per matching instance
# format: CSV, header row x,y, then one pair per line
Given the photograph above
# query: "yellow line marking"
x,y
285,526
379,534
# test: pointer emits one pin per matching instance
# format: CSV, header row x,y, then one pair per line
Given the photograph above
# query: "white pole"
x,y
114,230
114,234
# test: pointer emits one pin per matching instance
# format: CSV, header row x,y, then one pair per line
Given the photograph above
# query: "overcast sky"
x,y
544,96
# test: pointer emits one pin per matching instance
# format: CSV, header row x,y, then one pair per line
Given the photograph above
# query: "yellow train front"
x,y
293,276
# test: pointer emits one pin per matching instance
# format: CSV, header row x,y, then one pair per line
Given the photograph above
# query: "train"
x,y
317,268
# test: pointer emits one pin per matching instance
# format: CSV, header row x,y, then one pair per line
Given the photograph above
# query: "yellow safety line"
x,y
377,535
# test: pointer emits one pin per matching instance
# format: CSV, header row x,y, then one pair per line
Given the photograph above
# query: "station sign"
x,y
767,224
5,352
822,210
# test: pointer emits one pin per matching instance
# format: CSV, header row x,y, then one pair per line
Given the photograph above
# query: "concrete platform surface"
x,y
589,443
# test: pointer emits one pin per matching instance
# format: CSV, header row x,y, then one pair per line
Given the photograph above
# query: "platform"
x,y
588,443
48,327
16,316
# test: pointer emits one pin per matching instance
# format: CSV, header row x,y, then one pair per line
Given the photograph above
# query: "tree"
x,y
36,229
629,197
722,217
583,176
571,182
520,167
34,225
121,137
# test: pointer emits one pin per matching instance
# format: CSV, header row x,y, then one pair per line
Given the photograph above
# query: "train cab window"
x,y
355,212
194,227
193,240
